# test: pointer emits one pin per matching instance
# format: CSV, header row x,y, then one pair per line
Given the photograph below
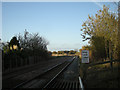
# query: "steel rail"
x,y
58,73
81,84
36,76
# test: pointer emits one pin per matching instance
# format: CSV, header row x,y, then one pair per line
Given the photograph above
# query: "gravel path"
x,y
71,73
68,79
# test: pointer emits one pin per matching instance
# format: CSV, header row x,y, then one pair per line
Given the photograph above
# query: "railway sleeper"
x,y
64,85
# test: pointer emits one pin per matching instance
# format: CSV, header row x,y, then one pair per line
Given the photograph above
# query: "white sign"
x,y
85,56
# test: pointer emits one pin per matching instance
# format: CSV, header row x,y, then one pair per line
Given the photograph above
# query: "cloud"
x,y
64,46
98,4
101,5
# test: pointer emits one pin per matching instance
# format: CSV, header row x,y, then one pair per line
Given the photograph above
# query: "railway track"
x,y
67,82
52,79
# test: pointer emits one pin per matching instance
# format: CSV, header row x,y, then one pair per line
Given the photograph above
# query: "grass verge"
x,y
100,76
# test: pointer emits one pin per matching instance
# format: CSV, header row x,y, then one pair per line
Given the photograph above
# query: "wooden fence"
x,y
16,62
98,63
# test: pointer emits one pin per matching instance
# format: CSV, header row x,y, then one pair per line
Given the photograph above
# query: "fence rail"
x,y
92,64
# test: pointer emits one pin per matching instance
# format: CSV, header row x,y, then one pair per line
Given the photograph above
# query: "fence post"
x,y
3,66
111,64
85,72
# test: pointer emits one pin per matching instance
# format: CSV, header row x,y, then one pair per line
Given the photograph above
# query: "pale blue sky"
x,y
59,23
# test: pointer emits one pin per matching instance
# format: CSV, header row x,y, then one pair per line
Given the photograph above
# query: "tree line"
x,y
103,34
24,50
64,52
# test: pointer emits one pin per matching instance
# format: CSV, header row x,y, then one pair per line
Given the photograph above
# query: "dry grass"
x,y
100,76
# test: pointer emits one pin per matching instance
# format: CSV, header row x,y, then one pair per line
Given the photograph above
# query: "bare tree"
x,y
33,44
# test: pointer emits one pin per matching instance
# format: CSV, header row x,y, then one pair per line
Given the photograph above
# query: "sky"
x,y
58,22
